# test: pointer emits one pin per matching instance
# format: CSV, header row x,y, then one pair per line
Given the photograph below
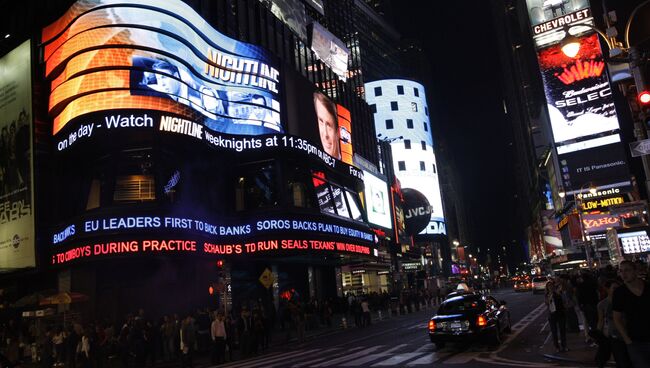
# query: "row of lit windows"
x,y
401,166
409,124
400,91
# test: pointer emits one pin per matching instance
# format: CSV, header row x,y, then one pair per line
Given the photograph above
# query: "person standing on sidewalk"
x,y
556,315
631,303
218,334
606,335
365,309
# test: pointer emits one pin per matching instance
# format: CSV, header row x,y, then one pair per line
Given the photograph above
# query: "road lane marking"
x,y
270,359
346,357
320,359
397,359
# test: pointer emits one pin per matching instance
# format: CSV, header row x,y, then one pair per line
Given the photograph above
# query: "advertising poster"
x,y
291,13
109,55
314,116
330,49
542,11
578,93
598,166
551,234
16,188
377,200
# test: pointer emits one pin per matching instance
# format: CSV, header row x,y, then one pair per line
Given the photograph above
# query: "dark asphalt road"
x,y
403,342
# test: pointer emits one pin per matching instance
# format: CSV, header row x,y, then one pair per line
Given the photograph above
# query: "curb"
x,y
577,361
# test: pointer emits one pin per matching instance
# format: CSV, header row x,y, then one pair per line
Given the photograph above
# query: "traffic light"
x,y
644,98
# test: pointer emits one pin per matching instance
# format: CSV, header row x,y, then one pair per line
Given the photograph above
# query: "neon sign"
x,y
189,246
202,227
581,70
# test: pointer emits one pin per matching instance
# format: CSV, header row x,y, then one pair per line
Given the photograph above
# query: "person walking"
x,y
630,305
556,315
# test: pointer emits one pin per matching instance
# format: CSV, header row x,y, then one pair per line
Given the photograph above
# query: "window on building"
x,y
389,123
400,90
377,91
422,166
409,123
426,126
299,190
393,106
424,145
416,92
426,111
134,180
373,108
255,186
407,144
401,165
414,107
435,171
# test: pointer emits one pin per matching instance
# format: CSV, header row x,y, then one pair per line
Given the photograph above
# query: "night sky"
x,y
467,105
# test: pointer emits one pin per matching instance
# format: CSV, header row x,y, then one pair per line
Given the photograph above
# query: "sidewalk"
x,y
579,351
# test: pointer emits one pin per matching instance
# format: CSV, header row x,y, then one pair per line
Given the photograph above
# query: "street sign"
x,y
266,278
640,148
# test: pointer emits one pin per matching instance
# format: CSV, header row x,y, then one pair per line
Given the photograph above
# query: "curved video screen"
x,y
120,54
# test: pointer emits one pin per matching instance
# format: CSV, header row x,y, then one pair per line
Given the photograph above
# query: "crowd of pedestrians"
x,y
612,307
176,339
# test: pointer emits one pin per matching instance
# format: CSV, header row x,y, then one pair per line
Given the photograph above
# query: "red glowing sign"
x,y
190,246
580,70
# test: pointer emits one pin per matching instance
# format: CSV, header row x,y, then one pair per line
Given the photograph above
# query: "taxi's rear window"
x,y
461,305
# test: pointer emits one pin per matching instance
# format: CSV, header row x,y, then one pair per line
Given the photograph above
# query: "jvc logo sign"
x,y
419,211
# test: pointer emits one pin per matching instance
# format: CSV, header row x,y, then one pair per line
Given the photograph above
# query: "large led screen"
x,y
402,116
127,54
315,116
377,200
597,166
578,93
330,49
16,180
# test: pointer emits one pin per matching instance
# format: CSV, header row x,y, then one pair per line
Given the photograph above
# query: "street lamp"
x,y
456,242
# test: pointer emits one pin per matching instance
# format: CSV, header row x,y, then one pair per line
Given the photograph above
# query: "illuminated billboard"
x,y
377,200
579,97
145,233
330,49
402,115
634,242
578,94
314,116
127,54
17,238
291,13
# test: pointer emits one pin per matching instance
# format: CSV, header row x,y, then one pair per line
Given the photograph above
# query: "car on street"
x,y
539,284
469,317
523,285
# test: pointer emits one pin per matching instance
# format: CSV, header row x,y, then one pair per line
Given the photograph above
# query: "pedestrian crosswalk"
x,y
361,356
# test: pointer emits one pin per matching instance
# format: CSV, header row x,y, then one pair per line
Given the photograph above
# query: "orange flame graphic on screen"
x,y
581,70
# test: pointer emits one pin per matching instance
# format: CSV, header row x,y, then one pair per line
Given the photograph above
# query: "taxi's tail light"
x,y
481,321
432,325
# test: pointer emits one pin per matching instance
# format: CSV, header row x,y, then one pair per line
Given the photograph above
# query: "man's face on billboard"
x,y
167,84
328,129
